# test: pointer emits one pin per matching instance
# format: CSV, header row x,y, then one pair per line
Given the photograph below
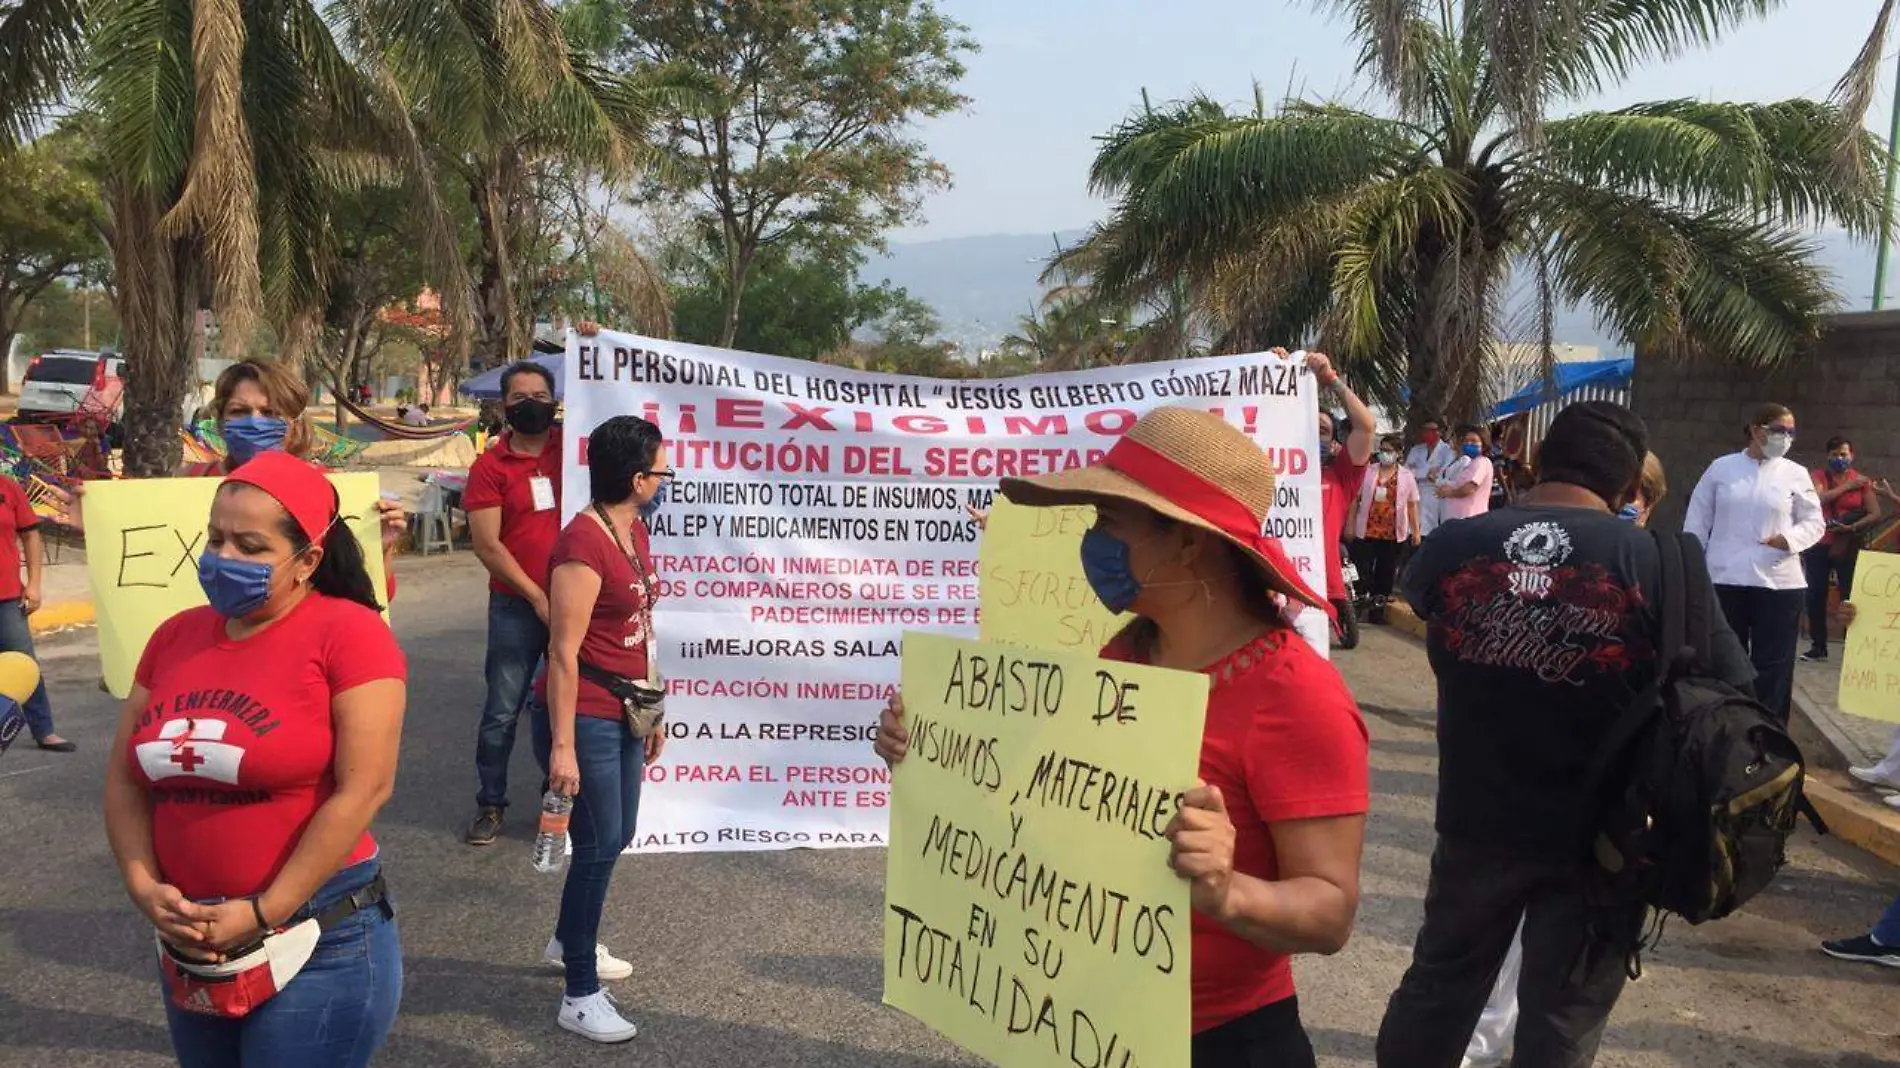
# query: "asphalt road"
x,y
771,959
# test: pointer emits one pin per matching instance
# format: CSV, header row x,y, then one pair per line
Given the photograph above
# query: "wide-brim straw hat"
x,y
1192,467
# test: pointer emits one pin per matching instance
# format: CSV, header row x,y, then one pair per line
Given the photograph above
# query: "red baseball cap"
x,y
303,490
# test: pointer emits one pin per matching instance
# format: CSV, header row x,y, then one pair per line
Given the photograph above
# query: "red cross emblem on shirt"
x,y
188,759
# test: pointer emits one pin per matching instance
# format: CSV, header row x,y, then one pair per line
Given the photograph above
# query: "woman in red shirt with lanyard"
x,y
1270,838
601,590
257,744
1851,507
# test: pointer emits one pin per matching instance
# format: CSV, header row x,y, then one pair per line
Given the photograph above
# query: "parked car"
x,y
56,381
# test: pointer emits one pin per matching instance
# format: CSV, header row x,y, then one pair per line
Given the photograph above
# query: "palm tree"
x,y
513,99
1392,237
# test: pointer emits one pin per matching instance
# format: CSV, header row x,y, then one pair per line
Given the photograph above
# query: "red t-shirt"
x,y
616,638
235,746
1339,483
16,518
1284,741
1854,500
503,478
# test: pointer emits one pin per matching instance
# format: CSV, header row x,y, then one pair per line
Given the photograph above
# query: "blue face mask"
x,y
1629,513
1105,563
252,434
652,507
1472,451
235,588
1839,464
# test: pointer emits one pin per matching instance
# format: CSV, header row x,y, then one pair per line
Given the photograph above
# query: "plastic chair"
x,y
431,526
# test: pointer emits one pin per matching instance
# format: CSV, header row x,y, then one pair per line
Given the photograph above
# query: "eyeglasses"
x,y
1786,431
668,473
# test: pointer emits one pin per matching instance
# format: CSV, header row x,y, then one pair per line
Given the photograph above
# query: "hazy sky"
x,y
1054,74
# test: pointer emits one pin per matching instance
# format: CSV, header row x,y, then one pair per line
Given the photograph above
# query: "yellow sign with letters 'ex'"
x,y
143,538
1030,913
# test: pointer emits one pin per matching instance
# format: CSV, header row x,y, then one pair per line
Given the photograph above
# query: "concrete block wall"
x,y
1849,385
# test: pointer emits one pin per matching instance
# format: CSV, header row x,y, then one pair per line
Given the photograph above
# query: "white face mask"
x,y
1775,446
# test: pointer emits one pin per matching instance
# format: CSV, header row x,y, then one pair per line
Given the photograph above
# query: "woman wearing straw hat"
x,y
1271,835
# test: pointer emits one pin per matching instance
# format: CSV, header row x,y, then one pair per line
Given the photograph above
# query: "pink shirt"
x,y
1466,470
1405,489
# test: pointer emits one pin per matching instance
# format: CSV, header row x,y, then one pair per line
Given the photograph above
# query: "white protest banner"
x,y
819,512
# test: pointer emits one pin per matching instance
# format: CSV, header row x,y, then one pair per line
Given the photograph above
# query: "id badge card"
x,y
542,487
1378,493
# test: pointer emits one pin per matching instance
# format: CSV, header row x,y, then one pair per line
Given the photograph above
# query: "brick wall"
x,y
1850,385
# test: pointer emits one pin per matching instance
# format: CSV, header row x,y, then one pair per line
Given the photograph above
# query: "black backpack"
x,y
1698,783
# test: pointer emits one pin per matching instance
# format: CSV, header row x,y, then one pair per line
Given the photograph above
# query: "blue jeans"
x,y
17,637
517,640
1887,931
611,761
334,1013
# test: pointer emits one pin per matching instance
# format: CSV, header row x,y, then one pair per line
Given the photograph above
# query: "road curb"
x,y
1854,816
59,615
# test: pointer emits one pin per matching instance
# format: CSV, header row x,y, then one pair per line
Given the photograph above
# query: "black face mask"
x,y
530,416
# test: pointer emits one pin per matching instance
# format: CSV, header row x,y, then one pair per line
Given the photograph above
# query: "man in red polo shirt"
x,y
1342,470
513,502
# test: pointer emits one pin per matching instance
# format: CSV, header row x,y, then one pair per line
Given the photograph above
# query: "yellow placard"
x,y
1870,670
1030,913
143,537
1032,591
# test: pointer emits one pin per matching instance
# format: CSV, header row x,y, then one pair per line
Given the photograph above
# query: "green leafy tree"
x,y
50,226
1392,236
805,131
806,301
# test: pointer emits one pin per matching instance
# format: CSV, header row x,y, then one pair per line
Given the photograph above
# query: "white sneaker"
x,y
596,1018
606,965
1892,800
1872,777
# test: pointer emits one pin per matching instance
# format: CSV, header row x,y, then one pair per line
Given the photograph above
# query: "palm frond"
x,y
1680,282
39,53
1777,161
141,83
1854,93
1197,187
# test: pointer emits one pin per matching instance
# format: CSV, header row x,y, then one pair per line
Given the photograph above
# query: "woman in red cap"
x,y
1271,835
257,744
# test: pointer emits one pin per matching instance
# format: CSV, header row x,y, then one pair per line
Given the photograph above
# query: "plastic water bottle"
x,y
550,844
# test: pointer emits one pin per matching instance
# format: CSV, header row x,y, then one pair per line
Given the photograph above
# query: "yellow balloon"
x,y
19,675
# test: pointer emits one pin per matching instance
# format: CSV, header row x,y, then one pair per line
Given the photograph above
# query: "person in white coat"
x,y
1427,460
1754,512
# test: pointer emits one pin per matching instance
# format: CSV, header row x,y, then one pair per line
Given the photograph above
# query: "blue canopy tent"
x,y
487,385
1606,376
1544,396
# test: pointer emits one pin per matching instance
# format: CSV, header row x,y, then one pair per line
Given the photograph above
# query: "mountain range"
x,y
981,286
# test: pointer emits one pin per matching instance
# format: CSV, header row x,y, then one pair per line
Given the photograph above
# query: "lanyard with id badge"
x,y
541,488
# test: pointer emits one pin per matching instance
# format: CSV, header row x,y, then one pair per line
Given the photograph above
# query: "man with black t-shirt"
x,y
1543,626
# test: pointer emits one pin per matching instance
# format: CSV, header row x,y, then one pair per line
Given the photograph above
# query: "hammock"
x,y
203,445
397,430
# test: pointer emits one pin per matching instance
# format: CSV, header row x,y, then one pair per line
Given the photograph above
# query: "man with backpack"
x,y
1545,633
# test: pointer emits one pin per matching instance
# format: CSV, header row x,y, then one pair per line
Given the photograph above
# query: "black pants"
x,y
1472,906
1820,565
1378,562
1768,624
1268,1037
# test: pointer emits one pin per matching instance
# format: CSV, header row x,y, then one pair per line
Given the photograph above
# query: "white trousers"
x,y
1499,1020
1889,766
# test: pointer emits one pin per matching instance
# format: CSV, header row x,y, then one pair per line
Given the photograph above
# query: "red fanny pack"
x,y
234,988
